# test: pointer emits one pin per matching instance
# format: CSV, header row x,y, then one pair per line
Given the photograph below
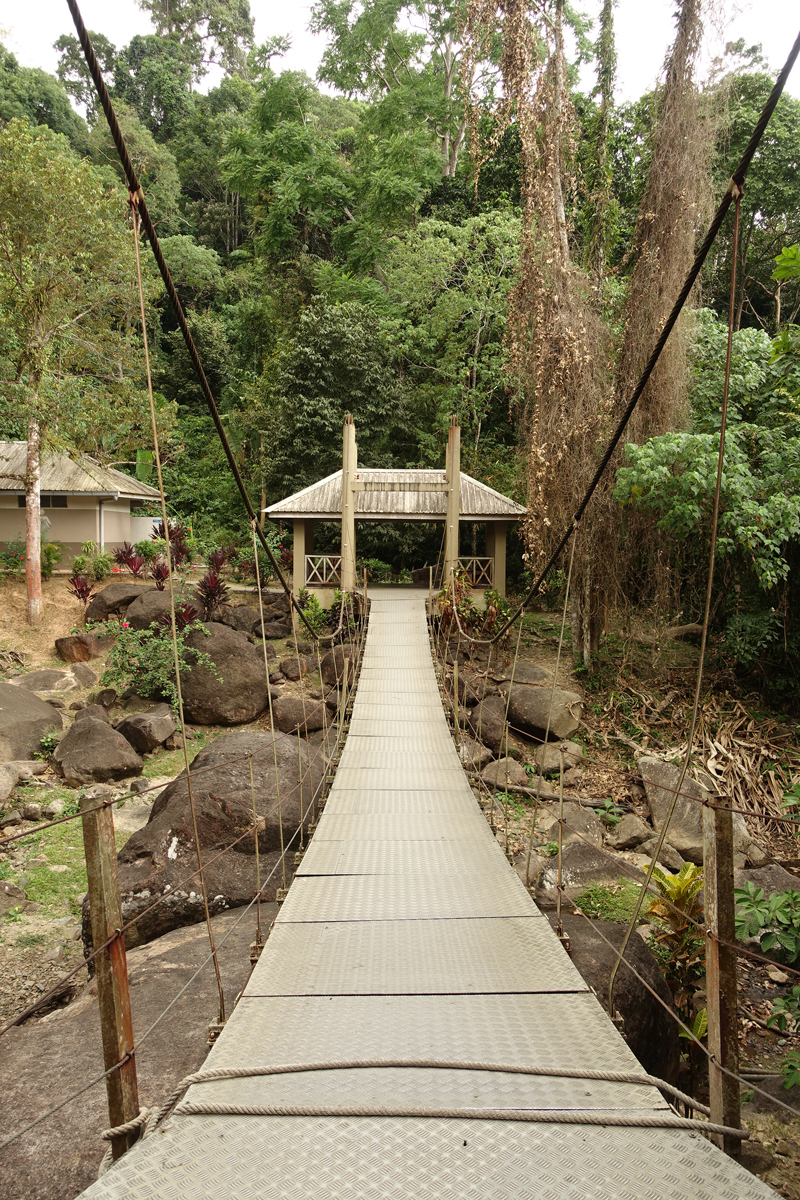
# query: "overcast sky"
x,y
644,29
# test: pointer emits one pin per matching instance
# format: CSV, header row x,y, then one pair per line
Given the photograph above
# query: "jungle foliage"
x,y
372,243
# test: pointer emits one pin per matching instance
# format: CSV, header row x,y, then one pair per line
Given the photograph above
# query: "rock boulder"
x,y
487,723
149,729
113,599
80,647
237,693
582,865
24,720
505,770
649,1030
685,831
333,665
94,752
629,833
292,716
528,708
548,757
48,681
160,857
151,605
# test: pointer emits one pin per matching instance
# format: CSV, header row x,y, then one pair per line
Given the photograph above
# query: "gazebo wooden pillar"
x,y
496,549
303,544
349,469
453,476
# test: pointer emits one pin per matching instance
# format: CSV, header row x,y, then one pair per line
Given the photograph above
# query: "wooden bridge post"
x,y
453,470
721,995
111,968
349,469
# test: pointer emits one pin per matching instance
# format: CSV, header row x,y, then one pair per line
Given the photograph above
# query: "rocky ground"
x,y
620,742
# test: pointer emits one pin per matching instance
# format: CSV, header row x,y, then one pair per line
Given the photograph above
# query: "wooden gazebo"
x,y
375,494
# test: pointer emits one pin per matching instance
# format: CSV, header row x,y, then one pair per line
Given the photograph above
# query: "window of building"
x,y
46,502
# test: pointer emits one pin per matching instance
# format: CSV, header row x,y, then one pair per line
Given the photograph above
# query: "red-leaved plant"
x,y
160,573
81,588
212,590
184,615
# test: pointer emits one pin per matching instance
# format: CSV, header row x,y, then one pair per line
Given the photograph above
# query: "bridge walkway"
x,y
406,934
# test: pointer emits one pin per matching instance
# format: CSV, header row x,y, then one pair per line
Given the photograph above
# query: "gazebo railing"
x,y
323,570
479,572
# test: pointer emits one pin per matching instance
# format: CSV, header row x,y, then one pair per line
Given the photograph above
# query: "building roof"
x,y
388,495
71,477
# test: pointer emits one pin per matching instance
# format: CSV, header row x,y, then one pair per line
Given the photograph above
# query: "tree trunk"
x,y
33,523
558,110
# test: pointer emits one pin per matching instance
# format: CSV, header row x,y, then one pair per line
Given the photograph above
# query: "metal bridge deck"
x,y
406,934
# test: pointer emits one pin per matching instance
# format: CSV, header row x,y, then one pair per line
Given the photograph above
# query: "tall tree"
x,y
406,57
73,72
33,95
210,31
67,299
600,180
677,187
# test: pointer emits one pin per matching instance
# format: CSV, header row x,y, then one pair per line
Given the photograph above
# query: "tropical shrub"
x,y
143,659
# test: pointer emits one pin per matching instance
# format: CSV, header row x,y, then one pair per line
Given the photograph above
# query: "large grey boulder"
x,y
528,708
92,752
274,629
548,756
293,715
113,599
473,754
629,833
24,720
580,825
668,856
773,878
581,865
48,680
60,1052
237,693
146,730
505,770
487,723
158,858
685,830
332,665
9,778
526,672
151,605
649,1030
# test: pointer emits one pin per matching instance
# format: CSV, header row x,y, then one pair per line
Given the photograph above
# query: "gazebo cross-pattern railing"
x,y
323,570
478,572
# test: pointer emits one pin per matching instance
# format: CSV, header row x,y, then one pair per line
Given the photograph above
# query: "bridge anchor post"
x,y
721,992
111,968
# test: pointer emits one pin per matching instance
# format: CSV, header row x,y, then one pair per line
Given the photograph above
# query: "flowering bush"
x,y
143,659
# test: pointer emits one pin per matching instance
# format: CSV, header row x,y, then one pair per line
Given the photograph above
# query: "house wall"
x,y
79,522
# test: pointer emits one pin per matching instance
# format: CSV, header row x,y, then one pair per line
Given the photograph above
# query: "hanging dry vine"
x,y
558,370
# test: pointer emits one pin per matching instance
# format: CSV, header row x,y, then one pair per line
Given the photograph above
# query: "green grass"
x,y
171,762
56,890
31,939
609,902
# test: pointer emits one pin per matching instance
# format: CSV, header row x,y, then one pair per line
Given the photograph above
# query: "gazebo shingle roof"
x,y
397,495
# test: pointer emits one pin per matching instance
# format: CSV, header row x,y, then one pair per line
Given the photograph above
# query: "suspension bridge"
x,y
413,1026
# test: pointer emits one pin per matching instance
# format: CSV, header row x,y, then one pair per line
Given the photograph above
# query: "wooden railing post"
x,y
721,995
111,968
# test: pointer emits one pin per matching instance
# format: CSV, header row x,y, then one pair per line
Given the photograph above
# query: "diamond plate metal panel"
x,y
516,954
341,802
407,897
544,1030
399,827
215,1158
431,760
398,777
403,858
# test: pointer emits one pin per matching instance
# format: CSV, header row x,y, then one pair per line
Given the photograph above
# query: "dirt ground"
x,y
61,613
